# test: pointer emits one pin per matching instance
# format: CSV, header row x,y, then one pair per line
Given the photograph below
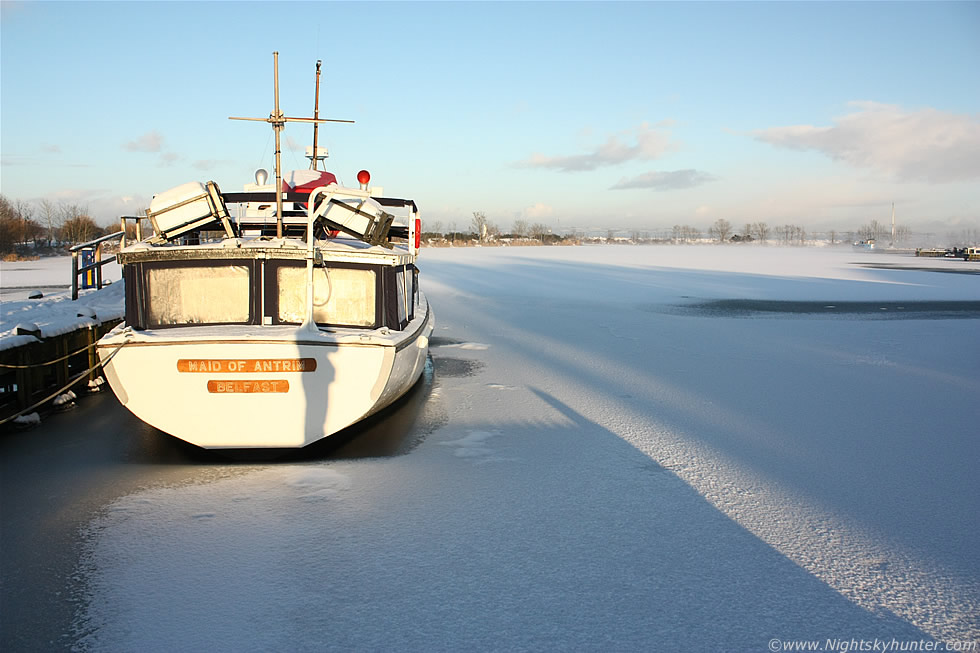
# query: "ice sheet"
x,y
615,474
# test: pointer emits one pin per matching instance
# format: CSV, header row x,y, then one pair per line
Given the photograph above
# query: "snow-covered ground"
x,y
54,313
619,467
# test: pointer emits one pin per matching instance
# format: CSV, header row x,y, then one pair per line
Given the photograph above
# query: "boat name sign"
x,y
211,365
278,385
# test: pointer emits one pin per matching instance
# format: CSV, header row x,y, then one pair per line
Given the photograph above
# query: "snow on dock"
x,y
54,313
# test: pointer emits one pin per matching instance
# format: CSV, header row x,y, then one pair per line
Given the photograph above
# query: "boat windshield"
x,y
198,295
341,296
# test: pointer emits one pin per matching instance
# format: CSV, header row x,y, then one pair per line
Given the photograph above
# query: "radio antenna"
x,y
316,115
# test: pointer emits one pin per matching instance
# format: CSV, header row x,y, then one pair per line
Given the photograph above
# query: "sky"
x,y
579,115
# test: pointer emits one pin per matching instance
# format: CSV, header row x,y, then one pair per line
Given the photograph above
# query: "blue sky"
x,y
579,115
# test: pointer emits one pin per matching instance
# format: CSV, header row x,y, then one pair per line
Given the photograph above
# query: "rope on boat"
x,y
57,392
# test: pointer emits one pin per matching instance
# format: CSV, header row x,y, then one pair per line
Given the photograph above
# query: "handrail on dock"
x,y
96,246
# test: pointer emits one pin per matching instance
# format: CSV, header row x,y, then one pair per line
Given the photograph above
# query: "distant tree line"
x,y
877,231
44,225
724,232
47,225
483,231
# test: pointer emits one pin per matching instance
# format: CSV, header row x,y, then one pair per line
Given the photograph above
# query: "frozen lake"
x,y
623,448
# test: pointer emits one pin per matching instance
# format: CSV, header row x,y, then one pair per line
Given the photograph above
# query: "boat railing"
x,y
92,259
375,229
354,212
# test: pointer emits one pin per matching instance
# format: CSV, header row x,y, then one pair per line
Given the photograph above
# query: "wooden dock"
x,y
33,374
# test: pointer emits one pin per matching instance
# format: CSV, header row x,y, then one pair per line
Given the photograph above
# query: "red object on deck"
x,y
323,179
363,177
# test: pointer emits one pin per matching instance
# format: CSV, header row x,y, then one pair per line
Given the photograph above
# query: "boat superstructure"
x,y
270,317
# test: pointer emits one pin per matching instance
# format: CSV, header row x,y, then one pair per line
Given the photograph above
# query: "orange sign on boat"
x,y
221,365
277,385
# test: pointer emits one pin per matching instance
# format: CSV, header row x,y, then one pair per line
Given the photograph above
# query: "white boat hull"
x,y
219,388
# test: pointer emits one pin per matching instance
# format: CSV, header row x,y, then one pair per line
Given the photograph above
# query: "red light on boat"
x,y
418,233
363,177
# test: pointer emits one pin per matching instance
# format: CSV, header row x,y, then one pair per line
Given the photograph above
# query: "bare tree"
x,y
872,230
479,222
969,237
761,231
684,233
434,227
9,227
521,228
28,229
902,233
17,225
50,217
539,231
484,229
784,233
721,230
79,227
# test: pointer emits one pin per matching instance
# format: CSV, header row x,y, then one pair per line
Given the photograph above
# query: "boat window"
x,y
197,295
400,282
415,288
341,296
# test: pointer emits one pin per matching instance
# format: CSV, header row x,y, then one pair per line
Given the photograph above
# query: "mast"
x,y
316,115
277,126
278,122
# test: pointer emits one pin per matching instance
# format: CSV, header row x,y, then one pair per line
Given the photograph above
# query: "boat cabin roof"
x,y
346,250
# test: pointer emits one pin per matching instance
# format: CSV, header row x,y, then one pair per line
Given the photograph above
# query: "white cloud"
x,y
169,158
925,145
151,141
665,180
647,143
538,211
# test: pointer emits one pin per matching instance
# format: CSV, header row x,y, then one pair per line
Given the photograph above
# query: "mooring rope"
x,y
73,381
57,360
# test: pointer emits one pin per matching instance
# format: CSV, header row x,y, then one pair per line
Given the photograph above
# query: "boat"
x,y
273,317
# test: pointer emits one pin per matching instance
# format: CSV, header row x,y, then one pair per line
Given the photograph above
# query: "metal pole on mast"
x,y
277,125
316,116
